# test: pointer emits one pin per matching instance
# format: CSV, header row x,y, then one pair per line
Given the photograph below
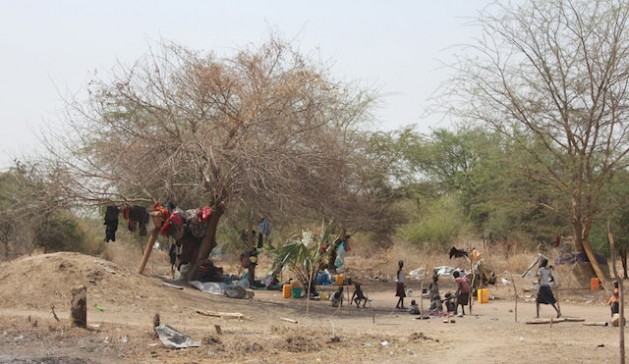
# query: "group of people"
x,y
461,297
464,289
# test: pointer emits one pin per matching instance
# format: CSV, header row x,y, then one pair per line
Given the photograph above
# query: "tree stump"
x,y
79,307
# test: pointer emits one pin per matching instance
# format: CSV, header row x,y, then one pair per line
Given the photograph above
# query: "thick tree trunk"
x,y
209,241
581,233
623,260
250,244
587,248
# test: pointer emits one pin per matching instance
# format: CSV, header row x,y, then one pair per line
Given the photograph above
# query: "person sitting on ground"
x,y
435,297
545,293
463,291
358,296
449,302
337,297
614,300
414,308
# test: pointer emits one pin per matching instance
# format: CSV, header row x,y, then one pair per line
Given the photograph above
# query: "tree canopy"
x,y
552,76
265,129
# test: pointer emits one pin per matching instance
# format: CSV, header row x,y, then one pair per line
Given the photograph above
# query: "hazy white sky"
x,y
50,49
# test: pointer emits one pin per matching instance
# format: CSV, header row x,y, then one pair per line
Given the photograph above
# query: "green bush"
x,y
59,231
439,225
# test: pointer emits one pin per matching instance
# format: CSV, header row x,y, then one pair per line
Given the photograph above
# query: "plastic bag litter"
x,y
235,292
209,287
444,270
174,339
418,273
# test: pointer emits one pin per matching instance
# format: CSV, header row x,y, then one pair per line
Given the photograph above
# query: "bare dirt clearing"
x,y
30,286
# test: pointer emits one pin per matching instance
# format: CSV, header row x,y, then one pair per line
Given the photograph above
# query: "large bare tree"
x,y
553,75
265,128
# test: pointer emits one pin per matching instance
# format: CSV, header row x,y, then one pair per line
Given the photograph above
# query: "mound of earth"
x,y
44,280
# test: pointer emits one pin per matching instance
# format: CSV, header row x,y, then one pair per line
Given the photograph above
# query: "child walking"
x,y
400,290
358,296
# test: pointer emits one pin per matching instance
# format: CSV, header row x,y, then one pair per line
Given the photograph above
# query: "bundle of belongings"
x,y
208,272
194,220
187,228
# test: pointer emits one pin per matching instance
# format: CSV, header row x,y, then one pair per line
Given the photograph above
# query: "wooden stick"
x,y
52,308
554,320
148,249
235,315
596,324
288,320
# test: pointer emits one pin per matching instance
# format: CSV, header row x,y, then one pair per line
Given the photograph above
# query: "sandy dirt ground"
x,y
122,304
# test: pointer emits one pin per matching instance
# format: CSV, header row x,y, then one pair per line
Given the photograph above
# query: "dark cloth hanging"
x,y
137,217
172,254
111,223
264,229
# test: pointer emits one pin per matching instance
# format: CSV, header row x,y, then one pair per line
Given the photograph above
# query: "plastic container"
x,y
339,280
483,295
595,284
296,291
286,291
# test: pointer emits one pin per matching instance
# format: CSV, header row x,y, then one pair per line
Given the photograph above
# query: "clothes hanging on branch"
x,y
264,229
137,218
197,221
111,223
174,226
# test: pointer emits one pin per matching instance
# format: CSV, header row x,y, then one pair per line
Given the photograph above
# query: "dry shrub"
x,y
301,339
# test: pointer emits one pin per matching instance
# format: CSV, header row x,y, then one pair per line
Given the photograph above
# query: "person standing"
x,y
400,290
545,293
463,291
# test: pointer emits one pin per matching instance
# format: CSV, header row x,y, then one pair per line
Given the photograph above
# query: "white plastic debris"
x,y
174,339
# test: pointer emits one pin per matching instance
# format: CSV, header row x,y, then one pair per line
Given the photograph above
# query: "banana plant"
x,y
299,257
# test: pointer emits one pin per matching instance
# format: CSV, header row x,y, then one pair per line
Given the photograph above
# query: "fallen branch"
x,y
52,308
288,320
234,315
596,324
554,320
